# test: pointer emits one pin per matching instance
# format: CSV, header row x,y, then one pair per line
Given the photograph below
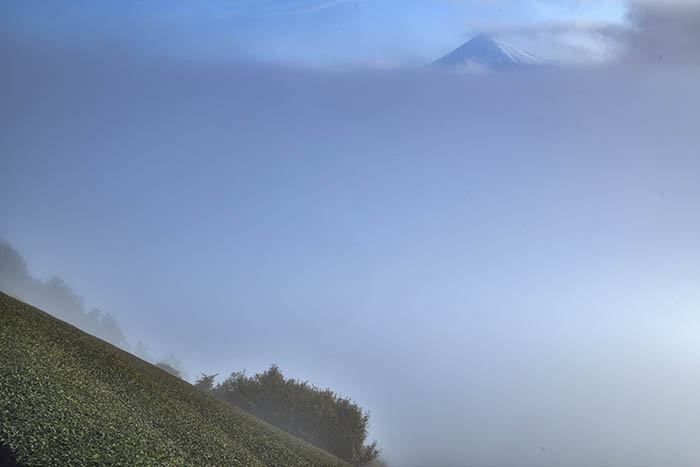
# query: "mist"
x,y
501,268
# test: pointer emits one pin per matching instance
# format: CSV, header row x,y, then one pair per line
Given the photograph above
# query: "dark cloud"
x,y
662,31
653,32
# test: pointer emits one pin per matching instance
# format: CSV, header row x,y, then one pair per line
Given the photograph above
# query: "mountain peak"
x,y
484,51
481,38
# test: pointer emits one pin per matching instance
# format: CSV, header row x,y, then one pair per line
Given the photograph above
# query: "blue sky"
x,y
318,33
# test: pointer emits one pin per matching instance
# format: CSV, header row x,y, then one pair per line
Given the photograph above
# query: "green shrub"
x,y
319,416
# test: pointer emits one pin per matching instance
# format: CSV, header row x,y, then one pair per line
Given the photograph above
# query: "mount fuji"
x,y
484,52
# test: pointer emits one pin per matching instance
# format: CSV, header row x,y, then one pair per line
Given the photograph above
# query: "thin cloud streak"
x,y
246,11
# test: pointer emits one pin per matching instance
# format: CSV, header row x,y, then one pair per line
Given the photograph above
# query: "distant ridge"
x,y
484,52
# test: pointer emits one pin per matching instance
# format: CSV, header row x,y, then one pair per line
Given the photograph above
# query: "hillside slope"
x,y
68,398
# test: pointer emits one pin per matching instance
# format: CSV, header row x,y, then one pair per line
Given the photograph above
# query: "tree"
x,y
319,416
377,462
141,352
205,382
169,369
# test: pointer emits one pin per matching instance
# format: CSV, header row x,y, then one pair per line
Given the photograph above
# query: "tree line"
x,y
55,297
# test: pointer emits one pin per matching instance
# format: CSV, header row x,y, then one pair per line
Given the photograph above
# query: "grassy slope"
x,y
68,398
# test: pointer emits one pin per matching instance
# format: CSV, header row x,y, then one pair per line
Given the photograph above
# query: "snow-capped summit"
x,y
483,51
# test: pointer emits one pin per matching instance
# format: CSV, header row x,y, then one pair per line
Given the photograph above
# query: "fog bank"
x,y
502,268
